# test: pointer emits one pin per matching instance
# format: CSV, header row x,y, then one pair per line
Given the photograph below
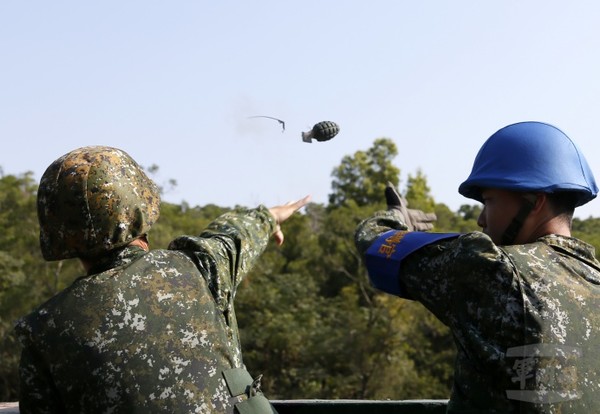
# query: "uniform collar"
x,y
573,247
116,258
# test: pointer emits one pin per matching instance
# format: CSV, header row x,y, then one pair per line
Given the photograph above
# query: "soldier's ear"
x,y
540,202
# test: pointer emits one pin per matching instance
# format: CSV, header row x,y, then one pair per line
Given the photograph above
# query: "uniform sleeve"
x,y
229,247
370,229
455,278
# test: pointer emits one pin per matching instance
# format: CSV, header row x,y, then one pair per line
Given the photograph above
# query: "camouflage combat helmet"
x,y
93,200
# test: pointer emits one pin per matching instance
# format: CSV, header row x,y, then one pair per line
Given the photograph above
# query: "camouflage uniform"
x,y
146,331
143,331
524,317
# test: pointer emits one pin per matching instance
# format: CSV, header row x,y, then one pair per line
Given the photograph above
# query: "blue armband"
x,y
384,257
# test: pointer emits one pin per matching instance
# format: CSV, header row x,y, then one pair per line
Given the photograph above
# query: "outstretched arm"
x,y
282,213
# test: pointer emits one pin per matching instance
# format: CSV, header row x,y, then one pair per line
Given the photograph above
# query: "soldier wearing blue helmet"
x,y
521,296
531,158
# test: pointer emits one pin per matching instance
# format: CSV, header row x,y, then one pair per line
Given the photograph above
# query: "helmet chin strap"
x,y
510,234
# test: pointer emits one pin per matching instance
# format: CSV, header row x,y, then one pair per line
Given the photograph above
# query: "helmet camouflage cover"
x,y
93,200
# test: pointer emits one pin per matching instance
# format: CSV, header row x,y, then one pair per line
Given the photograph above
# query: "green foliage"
x,y
463,221
309,319
20,268
429,345
588,230
418,192
11,274
363,177
357,342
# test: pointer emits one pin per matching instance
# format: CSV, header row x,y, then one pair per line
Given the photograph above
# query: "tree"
x,y
588,230
325,332
418,192
469,212
363,177
25,278
309,319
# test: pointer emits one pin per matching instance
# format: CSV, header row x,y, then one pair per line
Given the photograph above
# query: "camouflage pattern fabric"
x,y
93,200
145,332
525,318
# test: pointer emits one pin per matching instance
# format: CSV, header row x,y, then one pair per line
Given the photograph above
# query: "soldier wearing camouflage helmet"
x,y
144,330
521,298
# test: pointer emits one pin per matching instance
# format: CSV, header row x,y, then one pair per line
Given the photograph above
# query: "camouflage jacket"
x,y
524,318
145,331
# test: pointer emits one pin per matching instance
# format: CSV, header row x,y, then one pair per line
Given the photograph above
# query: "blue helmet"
x,y
530,156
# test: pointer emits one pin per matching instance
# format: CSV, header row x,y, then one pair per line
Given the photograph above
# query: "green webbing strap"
x,y
238,381
510,234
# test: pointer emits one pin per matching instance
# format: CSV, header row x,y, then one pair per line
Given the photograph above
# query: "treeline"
x,y
310,321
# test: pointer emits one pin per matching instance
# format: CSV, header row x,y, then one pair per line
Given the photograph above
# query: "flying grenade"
x,y
321,131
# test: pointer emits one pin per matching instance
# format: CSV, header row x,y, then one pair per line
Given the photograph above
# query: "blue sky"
x,y
173,83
